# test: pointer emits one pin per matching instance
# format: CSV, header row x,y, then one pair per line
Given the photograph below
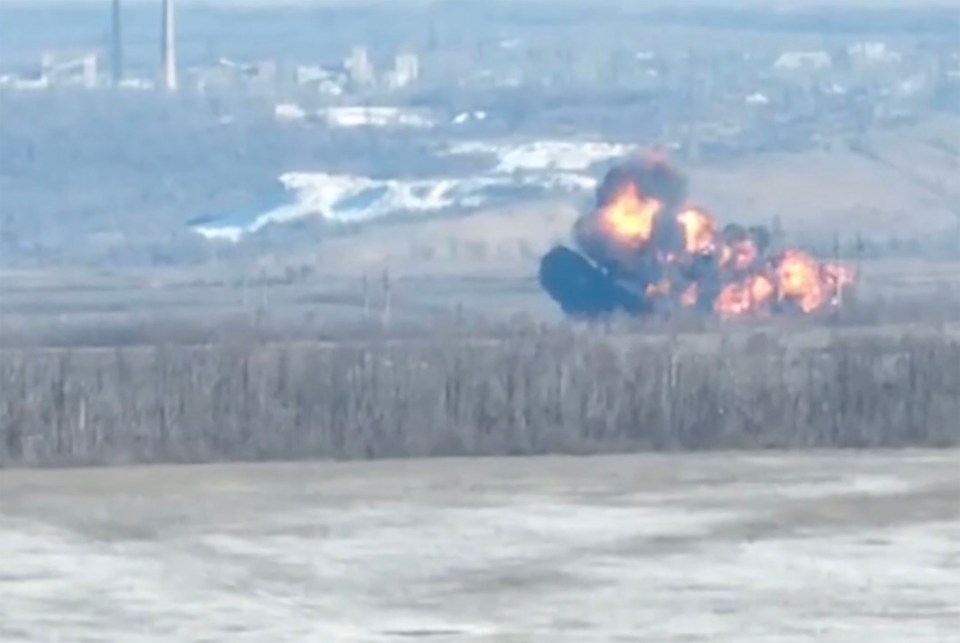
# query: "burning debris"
x,y
646,249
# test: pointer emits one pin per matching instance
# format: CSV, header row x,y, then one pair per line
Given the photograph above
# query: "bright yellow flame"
x,y
699,231
630,217
750,284
762,290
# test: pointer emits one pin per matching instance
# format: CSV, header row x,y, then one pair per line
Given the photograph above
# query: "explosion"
x,y
630,217
644,248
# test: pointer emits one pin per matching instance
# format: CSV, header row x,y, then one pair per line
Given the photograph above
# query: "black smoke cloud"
x,y
654,176
604,276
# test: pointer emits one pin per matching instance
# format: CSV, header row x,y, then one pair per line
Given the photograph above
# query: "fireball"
x,y
630,217
625,237
799,278
750,296
699,231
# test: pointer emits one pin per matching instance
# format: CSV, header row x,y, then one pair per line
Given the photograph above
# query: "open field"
x,y
793,548
242,361
317,350
769,483
181,366
98,308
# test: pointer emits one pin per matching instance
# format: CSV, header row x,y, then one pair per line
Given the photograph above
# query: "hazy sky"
x,y
633,3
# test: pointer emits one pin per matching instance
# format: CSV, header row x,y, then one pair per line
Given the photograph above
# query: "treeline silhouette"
x,y
912,20
536,389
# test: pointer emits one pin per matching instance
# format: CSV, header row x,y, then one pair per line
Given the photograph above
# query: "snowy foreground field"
x,y
772,548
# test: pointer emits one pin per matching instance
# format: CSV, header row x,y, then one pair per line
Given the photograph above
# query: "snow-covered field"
x,y
532,169
745,548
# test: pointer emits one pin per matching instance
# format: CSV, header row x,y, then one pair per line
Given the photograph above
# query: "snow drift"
x,y
517,171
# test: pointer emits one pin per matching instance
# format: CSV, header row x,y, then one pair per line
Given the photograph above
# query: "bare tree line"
x,y
537,390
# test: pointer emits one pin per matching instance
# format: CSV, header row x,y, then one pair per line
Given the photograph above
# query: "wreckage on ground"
x,y
644,248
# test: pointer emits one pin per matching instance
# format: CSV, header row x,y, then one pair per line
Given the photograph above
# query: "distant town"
x,y
176,115
707,105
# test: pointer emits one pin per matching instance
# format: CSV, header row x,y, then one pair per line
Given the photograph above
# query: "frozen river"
x,y
746,548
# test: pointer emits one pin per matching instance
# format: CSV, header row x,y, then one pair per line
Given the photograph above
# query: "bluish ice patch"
x,y
421,191
501,192
361,201
209,224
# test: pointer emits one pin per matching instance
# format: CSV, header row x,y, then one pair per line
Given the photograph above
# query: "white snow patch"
x,y
341,117
852,485
528,168
349,198
469,117
570,156
289,112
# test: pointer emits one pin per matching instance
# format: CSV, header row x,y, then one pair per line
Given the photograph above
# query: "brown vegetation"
x,y
538,389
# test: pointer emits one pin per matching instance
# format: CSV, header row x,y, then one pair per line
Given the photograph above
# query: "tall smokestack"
x,y
169,47
116,53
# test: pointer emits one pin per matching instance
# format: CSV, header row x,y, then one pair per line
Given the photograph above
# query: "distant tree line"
x,y
908,20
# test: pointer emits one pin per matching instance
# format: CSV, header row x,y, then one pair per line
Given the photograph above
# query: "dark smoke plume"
x,y
654,176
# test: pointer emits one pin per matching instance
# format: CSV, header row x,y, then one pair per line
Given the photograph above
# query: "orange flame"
x,y
630,217
762,290
750,296
800,280
750,281
699,231
740,254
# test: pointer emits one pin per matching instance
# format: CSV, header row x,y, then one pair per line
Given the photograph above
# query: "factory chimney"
x,y
169,47
116,53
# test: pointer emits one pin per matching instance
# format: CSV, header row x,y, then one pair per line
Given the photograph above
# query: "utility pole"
x,y
169,48
116,46
836,260
386,297
365,287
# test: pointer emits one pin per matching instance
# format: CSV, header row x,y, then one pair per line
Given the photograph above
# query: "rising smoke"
x,y
645,248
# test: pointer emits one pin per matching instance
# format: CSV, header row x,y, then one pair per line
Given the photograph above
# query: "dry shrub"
x,y
535,389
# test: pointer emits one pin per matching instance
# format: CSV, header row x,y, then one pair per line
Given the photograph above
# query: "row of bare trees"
x,y
539,390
